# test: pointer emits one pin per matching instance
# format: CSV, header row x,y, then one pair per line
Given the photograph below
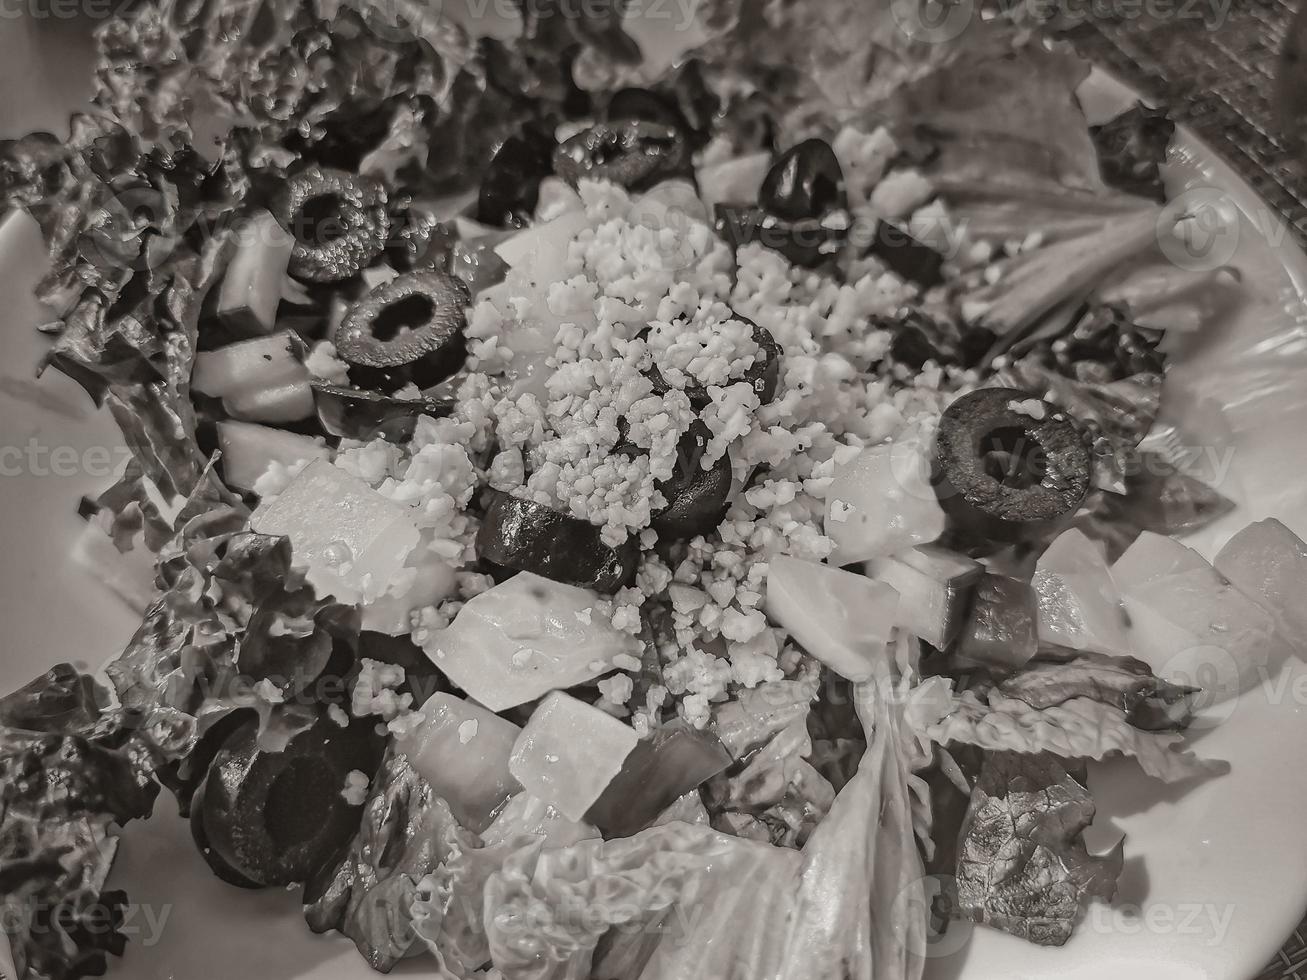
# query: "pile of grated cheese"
x,y
558,379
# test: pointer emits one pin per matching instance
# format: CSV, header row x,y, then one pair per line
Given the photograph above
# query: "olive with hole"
x,y
697,498
266,818
530,537
338,220
355,413
630,153
410,329
1008,465
762,376
510,186
806,181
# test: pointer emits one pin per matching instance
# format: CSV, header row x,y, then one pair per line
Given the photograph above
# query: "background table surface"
x,y
1212,62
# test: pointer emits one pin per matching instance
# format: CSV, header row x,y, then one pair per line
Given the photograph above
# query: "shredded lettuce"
x,y
1022,862
1079,728
1123,682
70,769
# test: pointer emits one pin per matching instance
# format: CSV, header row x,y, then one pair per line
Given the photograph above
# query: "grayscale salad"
x,y
620,517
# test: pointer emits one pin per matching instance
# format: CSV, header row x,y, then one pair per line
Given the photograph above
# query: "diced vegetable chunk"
x,y
569,752
352,540
527,814
462,750
251,287
934,588
248,450
525,637
881,503
1079,605
658,771
841,618
541,250
1188,623
1268,563
260,380
1000,628
432,580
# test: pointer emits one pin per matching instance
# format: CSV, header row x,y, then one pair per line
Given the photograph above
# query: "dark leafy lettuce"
x,y
369,893
69,771
234,629
1148,701
1022,862
1132,147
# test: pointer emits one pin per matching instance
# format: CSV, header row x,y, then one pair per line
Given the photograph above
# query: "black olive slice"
x,y
354,413
272,818
697,498
806,181
805,242
510,186
408,329
1007,464
907,257
530,537
631,153
338,221
645,106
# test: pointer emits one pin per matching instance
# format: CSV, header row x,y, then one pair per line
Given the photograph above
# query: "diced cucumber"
x,y
569,752
251,288
249,364
841,618
259,380
462,750
934,589
248,450
517,641
352,541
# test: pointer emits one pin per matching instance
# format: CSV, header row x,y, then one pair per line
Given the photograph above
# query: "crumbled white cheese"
x,y
355,791
323,362
269,691
1032,407
337,715
374,691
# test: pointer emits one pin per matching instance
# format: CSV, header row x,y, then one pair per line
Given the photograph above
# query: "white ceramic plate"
x,y
1214,882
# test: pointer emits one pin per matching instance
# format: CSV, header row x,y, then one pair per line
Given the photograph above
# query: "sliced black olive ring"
x,y
338,220
408,329
1007,463
356,413
631,153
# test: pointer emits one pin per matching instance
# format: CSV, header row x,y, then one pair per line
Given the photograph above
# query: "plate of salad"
x,y
789,491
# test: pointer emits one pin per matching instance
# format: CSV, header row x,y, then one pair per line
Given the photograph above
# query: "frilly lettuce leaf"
x,y
1080,728
369,895
1122,682
69,770
1022,862
235,628
778,793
